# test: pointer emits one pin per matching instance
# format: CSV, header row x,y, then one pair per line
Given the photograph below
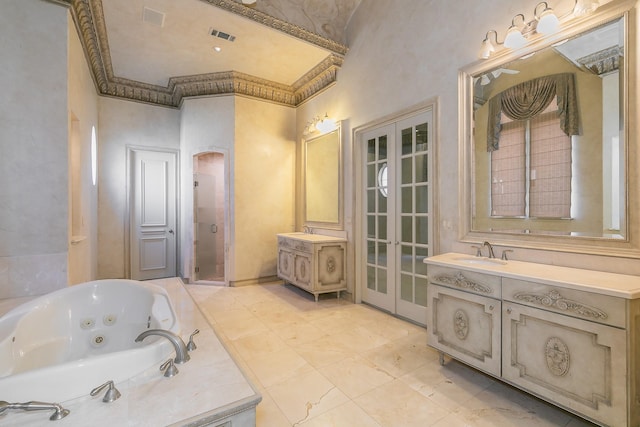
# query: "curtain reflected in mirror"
x,y
548,140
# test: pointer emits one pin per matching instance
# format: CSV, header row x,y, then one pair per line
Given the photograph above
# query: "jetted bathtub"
x,y
60,346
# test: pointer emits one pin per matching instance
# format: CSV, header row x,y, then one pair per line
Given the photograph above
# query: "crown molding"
x,y
89,20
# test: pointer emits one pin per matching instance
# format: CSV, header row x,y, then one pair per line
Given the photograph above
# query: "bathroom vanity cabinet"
x,y
566,335
312,262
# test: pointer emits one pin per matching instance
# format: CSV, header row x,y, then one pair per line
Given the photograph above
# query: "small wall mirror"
x,y
323,181
546,140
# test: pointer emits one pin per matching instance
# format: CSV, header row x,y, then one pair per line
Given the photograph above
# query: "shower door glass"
x,y
209,238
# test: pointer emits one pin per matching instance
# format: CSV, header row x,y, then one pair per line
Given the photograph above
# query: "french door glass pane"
x,y
421,291
371,277
382,254
371,150
406,287
422,170
422,137
382,280
406,259
407,171
371,226
421,254
422,199
382,227
372,175
407,200
422,230
407,141
382,147
407,229
371,201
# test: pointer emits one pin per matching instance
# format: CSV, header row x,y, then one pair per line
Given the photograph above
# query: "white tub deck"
x,y
209,390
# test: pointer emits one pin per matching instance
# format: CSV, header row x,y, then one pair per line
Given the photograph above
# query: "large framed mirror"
x,y
323,181
546,141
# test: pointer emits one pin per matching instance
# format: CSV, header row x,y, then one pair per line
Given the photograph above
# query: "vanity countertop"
x,y
613,284
313,238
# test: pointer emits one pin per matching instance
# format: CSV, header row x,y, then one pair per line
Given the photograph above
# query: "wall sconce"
x,y
322,125
544,22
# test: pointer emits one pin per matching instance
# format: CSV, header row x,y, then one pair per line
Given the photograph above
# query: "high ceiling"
x,y
160,51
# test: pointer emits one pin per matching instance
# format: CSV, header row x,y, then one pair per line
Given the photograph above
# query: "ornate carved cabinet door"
x,y
303,269
465,326
330,268
572,362
285,264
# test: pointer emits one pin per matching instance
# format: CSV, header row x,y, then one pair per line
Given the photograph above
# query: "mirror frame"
x,y
323,224
629,246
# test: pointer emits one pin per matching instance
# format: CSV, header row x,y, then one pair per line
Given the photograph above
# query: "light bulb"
x,y
548,22
514,38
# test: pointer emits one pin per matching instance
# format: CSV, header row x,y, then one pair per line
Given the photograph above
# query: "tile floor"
x,y
334,363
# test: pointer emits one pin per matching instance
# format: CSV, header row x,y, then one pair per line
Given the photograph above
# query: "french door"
x,y
396,219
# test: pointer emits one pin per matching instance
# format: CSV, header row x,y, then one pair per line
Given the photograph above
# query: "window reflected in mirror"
x,y
548,140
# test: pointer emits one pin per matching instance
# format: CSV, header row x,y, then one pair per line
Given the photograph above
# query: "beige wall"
x,y
33,148
402,56
264,185
83,107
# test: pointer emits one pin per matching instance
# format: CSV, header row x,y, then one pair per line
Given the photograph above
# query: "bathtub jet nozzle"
x,y
59,413
182,355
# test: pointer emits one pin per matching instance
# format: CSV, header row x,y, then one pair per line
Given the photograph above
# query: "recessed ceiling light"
x,y
217,48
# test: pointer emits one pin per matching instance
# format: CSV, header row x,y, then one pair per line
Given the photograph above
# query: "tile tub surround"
x,y
336,364
209,387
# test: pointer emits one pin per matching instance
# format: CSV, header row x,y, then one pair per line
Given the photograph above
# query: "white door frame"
x,y
359,225
131,150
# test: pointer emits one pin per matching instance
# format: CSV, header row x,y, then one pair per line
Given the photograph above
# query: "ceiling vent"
x,y
153,17
221,35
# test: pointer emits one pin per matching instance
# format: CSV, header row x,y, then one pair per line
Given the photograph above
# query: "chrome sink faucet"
x,y
488,245
182,355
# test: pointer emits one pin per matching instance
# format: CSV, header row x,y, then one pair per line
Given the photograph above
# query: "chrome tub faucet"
x,y
59,413
182,355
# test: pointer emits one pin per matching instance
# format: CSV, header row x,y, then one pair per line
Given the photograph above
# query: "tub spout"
x,y
182,355
59,413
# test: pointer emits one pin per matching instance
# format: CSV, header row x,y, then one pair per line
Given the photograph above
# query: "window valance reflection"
x,y
530,98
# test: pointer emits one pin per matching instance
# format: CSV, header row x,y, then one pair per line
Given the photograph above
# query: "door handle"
x,y
214,228
170,231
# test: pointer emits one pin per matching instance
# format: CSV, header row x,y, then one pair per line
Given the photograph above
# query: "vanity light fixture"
x,y
323,125
487,47
583,7
544,22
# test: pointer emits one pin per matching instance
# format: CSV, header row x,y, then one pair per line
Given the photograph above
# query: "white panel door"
x,y
153,214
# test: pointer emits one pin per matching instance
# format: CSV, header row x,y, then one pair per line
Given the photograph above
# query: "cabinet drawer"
x,y
599,308
465,280
465,326
295,244
575,363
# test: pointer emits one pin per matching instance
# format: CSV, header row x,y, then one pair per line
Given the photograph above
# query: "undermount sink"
x,y
480,260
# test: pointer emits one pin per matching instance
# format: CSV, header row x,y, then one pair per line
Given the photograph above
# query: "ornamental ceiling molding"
x,y
89,19
604,61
